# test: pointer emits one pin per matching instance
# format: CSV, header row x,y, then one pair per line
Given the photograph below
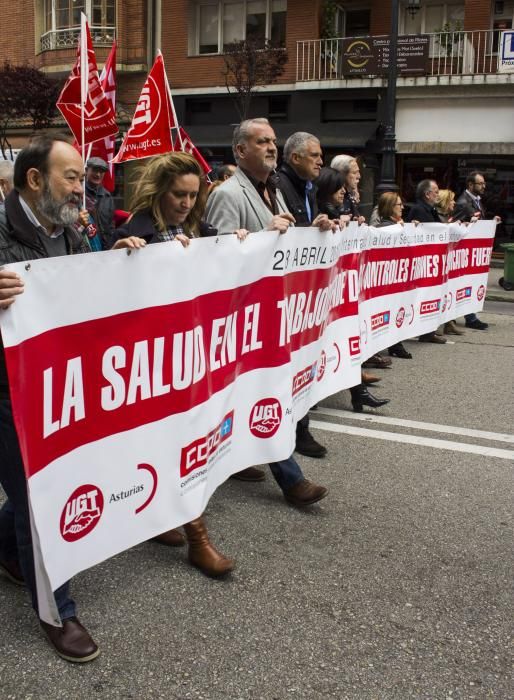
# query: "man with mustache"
x,y
249,200
38,222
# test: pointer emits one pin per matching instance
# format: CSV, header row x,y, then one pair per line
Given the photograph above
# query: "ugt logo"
x,y
82,512
265,418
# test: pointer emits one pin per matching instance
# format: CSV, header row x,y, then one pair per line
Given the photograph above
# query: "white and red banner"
x,y
82,102
183,143
133,407
150,131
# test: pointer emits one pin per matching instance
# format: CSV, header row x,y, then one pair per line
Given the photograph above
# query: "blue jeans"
x,y
15,535
287,472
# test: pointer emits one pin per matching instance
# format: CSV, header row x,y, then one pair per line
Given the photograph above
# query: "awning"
x,y
332,135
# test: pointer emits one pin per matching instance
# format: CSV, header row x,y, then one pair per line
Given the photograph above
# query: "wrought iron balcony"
x,y
446,54
68,38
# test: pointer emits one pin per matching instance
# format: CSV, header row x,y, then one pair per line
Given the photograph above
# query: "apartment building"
x,y
454,106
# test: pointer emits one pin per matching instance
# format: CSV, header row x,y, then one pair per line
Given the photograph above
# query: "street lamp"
x,y
388,167
413,7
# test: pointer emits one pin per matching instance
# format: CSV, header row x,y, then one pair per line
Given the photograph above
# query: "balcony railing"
x,y
449,54
68,38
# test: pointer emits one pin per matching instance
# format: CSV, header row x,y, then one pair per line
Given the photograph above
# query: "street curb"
x,y
495,297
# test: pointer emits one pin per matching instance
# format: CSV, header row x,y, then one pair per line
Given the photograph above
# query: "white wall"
x,y
456,120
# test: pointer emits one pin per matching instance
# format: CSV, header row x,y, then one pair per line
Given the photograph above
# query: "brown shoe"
x,y
432,338
72,642
378,362
202,553
171,538
305,493
250,474
11,570
368,378
451,328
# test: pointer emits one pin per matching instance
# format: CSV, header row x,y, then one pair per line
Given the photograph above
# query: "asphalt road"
x,y
399,585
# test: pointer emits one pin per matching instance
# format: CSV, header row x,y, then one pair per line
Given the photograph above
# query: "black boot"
x,y
306,444
399,350
361,397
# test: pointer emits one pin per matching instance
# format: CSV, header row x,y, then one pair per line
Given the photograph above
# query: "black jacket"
x,y
19,241
293,191
143,226
465,208
424,213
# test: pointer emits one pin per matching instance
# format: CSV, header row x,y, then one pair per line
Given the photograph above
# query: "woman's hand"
x,y
241,234
131,242
182,238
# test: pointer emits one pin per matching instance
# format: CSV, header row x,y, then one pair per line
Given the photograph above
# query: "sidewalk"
x,y
494,291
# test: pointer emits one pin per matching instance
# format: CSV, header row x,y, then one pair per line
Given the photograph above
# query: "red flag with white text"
x,y
82,96
184,143
106,148
150,131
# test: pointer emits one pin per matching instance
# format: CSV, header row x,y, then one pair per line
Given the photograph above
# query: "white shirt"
x,y
33,220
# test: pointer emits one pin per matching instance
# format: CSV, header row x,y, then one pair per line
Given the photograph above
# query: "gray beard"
x,y
57,212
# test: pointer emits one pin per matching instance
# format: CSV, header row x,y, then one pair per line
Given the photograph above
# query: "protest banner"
x,y
132,408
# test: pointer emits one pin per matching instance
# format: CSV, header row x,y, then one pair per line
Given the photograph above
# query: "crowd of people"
x,y
42,215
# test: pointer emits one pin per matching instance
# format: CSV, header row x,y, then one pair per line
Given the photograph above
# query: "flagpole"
x,y
84,69
175,120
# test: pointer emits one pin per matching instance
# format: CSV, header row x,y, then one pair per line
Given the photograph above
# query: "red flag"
x,y
83,94
105,148
150,131
184,143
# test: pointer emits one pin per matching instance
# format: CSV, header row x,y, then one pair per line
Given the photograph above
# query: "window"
x,y
362,110
357,23
278,108
62,22
432,17
217,23
65,14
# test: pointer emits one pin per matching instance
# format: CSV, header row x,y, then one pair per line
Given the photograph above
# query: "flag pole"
x,y
175,120
84,69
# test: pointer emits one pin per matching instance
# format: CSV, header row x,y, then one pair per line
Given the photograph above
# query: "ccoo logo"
x,y
265,418
81,513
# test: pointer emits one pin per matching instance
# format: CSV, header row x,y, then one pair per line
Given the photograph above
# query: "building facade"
x,y
454,108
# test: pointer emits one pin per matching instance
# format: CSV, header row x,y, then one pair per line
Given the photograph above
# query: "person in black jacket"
x,y
99,202
302,164
38,222
424,211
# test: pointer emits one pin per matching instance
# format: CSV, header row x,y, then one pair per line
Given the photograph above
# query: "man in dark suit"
x,y
424,211
469,207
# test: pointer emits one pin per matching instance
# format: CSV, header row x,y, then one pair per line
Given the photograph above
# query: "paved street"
x,y
399,585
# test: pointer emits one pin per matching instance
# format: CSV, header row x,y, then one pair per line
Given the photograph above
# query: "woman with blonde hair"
x,y
168,205
445,206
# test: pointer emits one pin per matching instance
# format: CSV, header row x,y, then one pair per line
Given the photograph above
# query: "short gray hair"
x,y
297,143
242,133
343,164
423,187
7,170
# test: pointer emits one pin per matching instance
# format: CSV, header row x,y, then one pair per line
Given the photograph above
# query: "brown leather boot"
x,y
202,553
171,538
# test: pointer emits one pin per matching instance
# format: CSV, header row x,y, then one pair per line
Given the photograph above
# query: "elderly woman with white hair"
x,y
349,169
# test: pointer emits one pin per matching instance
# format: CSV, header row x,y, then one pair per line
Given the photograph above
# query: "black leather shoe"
x,y
361,397
477,325
306,445
305,493
250,474
398,350
11,570
72,641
